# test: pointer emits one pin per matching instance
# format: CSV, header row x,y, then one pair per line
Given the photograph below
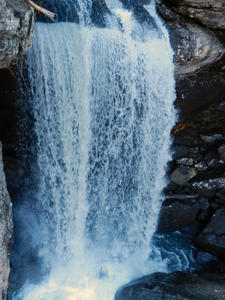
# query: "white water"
x,y
103,106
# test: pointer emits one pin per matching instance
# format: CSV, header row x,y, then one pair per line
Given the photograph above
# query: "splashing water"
x,y
102,101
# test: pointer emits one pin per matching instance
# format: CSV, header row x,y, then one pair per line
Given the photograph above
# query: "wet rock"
x,y
16,30
221,106
213,138
215,163
195,151
175,217
179,152
221,152
201,166
99,9
182,175
194,45
220,201
204,257
171,187
203,203
212,239
215,206
199,71
204,216
199,56
210,13
176,286
209,187
211,158
186,161
213,267
220,197
178,213
5,231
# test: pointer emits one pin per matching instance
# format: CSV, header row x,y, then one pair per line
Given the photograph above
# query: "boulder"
x,y
212,139
209,187
5,231
16,30
186,161
221,152
221,106
174,286
194,45
210,12
199,56
212,239
201,166
182,175
220,197
176,214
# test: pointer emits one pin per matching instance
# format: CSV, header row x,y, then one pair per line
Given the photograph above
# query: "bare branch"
x,y
41,10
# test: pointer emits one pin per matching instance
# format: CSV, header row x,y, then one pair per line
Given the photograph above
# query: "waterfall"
x,y
102,106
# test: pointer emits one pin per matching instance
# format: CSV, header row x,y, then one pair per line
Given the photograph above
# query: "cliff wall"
x,y
196,190
16,33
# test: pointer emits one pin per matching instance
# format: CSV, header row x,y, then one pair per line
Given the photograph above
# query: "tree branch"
x,y
41,10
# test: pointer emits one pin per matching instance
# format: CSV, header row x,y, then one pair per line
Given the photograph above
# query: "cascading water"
x,y
102,101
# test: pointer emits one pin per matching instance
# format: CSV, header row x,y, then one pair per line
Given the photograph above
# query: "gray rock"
x,y
194,45
16,30
179,152
221,106
199,55
214,163
212,239
204,257
209,12
215,206
5,231
174,286
201,166
211,139
204,216
199,69
221,152
220,197
196,50
182,175
186,161
209,187
176,213
203,203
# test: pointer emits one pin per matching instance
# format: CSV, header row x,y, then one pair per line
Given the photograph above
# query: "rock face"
x,y
195,46
179,212
182,175
174,286
198,168
5,231
208,12
213,235
199,55
16,30
16,33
